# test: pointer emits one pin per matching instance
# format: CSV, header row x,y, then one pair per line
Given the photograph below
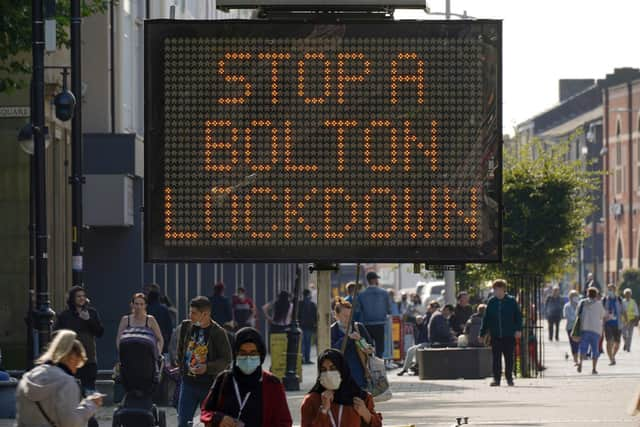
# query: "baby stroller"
x,y
140,369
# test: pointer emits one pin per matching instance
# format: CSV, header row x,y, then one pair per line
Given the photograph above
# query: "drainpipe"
x,y
631,187
607,191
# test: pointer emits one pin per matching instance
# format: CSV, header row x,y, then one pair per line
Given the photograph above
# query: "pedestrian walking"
x,y
48,395
244,309
374,306
613,323
84,320
554,305
440,332
592,314
462,313
279,313
221,311
203,352
246,395
308,318
502,325
395,307
570,313
630,317
359,344
336,400
590,283
139,318
161,313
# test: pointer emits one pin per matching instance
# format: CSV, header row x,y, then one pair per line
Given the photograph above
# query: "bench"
x,y
454,363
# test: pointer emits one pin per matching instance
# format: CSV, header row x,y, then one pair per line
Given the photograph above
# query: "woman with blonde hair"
x,y
48,395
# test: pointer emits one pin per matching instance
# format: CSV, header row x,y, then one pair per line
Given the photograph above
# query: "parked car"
x,y
429,291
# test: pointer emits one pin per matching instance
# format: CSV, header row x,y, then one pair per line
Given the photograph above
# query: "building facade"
x,y
622,182
580,118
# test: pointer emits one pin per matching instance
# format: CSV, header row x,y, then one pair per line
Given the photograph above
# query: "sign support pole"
x,y
324,304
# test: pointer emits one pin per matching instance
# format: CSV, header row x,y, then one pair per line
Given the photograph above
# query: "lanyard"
x,y
241,402
333,421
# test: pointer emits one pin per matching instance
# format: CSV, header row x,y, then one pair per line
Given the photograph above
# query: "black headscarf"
x,y
243,336
348,388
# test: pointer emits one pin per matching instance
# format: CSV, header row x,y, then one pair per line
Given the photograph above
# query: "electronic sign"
x,y
341,141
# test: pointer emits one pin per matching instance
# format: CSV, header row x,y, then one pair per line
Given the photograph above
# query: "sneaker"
x,y
510,383
402,372
579,368
494,384
594,372
613,362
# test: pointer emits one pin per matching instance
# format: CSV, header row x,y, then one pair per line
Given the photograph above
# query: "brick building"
x,y
621,155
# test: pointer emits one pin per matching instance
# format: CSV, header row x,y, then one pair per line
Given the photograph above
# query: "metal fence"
x,y
529,361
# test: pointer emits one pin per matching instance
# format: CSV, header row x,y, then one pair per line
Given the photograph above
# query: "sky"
x,y
548,40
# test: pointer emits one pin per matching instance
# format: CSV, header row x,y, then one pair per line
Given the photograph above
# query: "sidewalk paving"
x,y
561,398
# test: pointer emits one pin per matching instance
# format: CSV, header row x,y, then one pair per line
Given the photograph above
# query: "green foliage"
x,y
546,200
15,37
631,280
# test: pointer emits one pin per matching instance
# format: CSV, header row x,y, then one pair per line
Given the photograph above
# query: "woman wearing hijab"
x,y
336,400
246,395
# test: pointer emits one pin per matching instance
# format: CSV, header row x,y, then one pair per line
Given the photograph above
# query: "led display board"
x,y
299,141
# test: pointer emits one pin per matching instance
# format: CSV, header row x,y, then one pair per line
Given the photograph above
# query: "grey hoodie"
x,y
592,314
58,394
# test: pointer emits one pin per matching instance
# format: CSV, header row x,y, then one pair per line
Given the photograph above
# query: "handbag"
x,y
377,382
576,331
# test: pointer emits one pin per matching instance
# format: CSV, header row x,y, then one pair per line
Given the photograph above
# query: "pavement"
x,y
562,397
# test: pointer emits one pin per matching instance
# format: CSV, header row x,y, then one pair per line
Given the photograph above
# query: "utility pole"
x,y
42,313
77,178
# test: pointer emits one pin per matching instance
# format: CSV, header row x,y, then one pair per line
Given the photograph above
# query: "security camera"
x,y
65,103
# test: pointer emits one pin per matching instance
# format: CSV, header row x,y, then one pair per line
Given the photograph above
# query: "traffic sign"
x,y
274,141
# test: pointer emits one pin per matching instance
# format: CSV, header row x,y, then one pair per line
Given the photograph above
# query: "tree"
x,y
631,280
15,37
546,201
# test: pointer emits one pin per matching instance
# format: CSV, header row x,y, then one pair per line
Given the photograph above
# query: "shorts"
x,y
612,333
591,340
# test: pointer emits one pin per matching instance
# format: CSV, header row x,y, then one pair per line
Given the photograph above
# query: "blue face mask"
x,y
248,364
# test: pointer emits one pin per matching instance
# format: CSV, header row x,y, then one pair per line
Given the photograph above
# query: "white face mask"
x,y
330,380
574,299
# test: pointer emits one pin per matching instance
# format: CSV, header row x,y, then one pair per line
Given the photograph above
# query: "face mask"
x,y
330,380
241,295
574,299
611,294
248,364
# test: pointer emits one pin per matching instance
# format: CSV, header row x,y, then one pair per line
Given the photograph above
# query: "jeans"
x,y
191,396
307,334
627,334
500,347
411,355
87,376
553,324
377,335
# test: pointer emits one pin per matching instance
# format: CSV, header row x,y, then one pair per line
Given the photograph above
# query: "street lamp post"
x,y
291,381
42,313
76,179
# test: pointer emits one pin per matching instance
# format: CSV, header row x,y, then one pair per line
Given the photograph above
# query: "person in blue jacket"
x,y
502,323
